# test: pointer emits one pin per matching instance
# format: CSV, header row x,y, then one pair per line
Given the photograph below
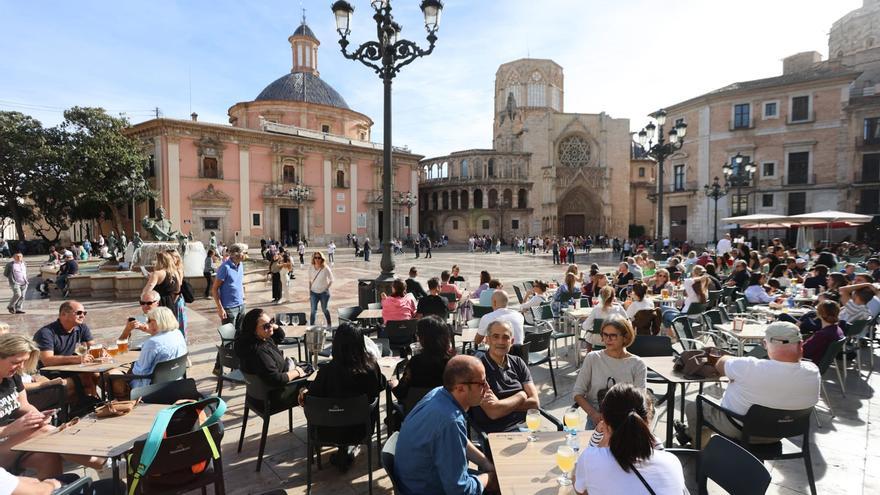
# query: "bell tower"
x,y
304,48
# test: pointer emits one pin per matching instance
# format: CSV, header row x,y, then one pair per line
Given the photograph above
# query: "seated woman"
x,y
756,293
350,373
835,282
163,345
20,421
649,269
578,275
397,306
535,297
425,369
569,290
596,282
612,365
456,276
696,291
257,349
659,281
627,446
815,346
638,301
780,274
606,309
484,284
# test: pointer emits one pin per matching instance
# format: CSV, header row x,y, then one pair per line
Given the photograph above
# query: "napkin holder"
x,y
314,338
738,324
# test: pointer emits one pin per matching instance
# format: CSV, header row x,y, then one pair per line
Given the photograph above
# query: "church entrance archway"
x,y
579,213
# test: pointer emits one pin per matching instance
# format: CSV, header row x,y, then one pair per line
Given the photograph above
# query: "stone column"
x,y
174,182
244,183
328,213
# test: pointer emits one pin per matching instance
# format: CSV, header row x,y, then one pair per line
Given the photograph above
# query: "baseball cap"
x,y
874,260
782,332
801,261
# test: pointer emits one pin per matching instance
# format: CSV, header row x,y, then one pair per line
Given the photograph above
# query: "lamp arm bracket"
x,y
404,52
367,53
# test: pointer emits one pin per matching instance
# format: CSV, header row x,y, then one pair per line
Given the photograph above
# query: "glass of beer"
x,y
572,419
122,345
664,293
565,459
97,351
533,422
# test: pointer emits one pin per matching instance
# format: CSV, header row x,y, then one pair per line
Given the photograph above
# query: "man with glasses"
x,y
139,322
228,288
511,391
433,449
58,340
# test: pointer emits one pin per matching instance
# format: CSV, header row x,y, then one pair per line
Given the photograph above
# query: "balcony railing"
x,y
810,181
870,178
472,180
680,187
811,117
868,142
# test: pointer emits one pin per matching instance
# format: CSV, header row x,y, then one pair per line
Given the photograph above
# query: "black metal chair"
x,y
349,315
388,452
762,421
728,465
166,371
519,294
480,311
827,359
681,325
50,395
226,358
179,452
536,351
653,346
266,401
167,392
713,298
328,414
401,334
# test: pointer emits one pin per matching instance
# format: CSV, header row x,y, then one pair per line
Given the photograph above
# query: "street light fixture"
x,y
386,57
660,151
738,174
299,193
716,191
409,200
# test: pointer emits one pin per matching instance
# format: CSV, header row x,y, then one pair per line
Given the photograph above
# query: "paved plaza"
x,y
845,457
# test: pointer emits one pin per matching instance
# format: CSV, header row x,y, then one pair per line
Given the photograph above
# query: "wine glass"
x,y
81,350
533,422
565,459
572,419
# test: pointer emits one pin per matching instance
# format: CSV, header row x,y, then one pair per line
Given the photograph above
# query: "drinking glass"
x,y
572,419
565,459
533,422
113,350
122,344
81,350
97,351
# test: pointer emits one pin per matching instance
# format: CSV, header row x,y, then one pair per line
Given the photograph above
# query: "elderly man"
x,y
511,391
740,276
16,273
139,322
781,382
501,313
228,288
433,449
57,342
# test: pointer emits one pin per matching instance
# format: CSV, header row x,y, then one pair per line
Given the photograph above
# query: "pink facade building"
x,y
239,180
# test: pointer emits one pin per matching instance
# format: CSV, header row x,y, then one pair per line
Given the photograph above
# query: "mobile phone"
x,y
132,318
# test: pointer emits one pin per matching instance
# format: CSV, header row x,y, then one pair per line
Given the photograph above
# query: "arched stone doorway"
x,y
579,213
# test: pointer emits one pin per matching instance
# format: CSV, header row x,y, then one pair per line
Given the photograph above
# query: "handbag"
x,y
600,395
696,363
115,408
186,291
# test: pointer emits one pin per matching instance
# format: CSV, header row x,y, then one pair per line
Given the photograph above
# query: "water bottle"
x,y
790,302
572,440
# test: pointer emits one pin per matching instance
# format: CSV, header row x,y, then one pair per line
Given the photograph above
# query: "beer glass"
x,y
565,459
533,422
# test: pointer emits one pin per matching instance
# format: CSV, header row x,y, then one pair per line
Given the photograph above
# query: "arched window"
x,y
288,174
340,178
445,197
522,199
493,198
426,173
444,170
434,201
508,199
464,169
463,200
454,198
478,198
490,172
641,171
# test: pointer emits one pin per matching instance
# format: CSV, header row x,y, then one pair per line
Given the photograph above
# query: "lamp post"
x,y
716,191
299,193
409,200
738,174
386,57
660,151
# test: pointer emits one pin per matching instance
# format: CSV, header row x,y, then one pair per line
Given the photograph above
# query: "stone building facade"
x,y
237,180
812,132
548,172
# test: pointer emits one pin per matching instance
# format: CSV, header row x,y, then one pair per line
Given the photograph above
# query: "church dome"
x,y
304,30
305,87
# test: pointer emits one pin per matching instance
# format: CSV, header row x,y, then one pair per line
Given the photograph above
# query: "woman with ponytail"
x,y
627,458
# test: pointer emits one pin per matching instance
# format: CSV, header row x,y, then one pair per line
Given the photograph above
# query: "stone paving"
x,y
846,454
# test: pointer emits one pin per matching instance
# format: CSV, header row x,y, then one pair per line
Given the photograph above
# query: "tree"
x,y
108,166
23,155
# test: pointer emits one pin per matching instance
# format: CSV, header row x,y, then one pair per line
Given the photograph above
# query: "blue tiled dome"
x,y
304,30
303,86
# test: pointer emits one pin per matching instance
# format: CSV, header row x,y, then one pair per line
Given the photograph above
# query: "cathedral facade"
x,y
548,172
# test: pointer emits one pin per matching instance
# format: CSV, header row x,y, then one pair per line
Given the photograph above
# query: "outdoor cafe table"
x,y
665,301
662,365
525,467
370,314
107,437
763,308
750,332
101,367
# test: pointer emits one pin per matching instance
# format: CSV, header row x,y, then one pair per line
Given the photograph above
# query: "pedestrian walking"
x,y
228,288
320,280
208,272
301,250
16,273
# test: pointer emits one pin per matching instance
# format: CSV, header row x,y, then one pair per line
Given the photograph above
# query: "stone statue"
x,y
136,240
123,241
161,227
111,244
212,244
189,236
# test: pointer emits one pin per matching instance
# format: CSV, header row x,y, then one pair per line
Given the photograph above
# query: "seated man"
x,y
58,340
819,278
68,268
857,301
433,303
447,287
413,286
511,391
433,449
139,322
781,382
503,313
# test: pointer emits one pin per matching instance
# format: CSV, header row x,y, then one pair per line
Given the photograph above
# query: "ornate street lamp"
x,y
386,56
660,151
716,191
738,174
409,200
299,193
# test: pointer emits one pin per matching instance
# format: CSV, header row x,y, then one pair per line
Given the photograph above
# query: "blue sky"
x,y
626,58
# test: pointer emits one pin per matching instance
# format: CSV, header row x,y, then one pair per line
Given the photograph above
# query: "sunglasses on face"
x,y
148,303
268,326
81,313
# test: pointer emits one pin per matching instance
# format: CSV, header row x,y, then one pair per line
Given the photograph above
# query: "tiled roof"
x,y
303,86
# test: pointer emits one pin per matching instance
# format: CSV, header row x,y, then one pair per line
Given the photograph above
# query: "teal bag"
x,y
160,425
